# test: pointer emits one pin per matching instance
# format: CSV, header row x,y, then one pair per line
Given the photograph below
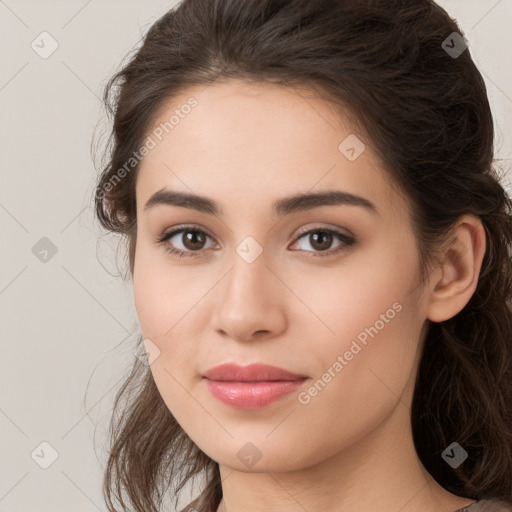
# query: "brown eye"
x,y
321,242
321,239
187,241
193,240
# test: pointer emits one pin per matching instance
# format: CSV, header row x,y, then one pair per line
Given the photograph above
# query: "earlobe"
x,y
461,262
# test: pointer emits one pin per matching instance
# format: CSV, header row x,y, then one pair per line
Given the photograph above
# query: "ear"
x,y
456,278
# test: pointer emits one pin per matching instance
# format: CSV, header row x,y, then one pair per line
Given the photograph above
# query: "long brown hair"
x,y
411,85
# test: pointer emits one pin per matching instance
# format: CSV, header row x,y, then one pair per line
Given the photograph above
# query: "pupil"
x,y
192,238
326,236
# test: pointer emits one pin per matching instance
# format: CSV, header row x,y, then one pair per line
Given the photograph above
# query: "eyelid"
x,y
181,227
346,241
329,227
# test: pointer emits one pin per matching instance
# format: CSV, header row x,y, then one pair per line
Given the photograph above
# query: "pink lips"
x,y
252,386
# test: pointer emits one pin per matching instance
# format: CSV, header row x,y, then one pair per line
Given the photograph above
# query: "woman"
x,y
319,246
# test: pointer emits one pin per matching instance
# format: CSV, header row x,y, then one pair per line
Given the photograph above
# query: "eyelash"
x,y
346,241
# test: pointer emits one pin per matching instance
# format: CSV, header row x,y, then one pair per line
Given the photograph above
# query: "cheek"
x,y
168,314
347,299
164,295
374,325
170,302
361,374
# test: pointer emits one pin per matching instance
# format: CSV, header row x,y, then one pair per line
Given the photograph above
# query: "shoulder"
x,y
489,506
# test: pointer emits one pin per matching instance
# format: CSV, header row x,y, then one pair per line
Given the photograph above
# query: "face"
x,y
327,290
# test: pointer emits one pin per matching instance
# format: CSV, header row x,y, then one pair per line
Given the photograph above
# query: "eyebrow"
x,y
281,207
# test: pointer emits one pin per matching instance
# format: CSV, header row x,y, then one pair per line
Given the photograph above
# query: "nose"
x,y
250,301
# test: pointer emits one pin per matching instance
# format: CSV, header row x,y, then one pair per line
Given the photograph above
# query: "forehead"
x,y
257,140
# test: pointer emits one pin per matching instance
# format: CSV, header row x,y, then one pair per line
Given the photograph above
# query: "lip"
x,y
250,373
252,386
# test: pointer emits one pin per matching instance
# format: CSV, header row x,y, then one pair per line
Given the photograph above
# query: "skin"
x,y
350,448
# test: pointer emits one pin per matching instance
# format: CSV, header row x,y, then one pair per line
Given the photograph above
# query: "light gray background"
x,y
65,323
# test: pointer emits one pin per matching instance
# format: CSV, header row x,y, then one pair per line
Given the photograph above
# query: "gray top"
x,y
487,506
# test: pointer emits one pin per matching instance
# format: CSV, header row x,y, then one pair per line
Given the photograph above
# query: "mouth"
x,y
251,387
